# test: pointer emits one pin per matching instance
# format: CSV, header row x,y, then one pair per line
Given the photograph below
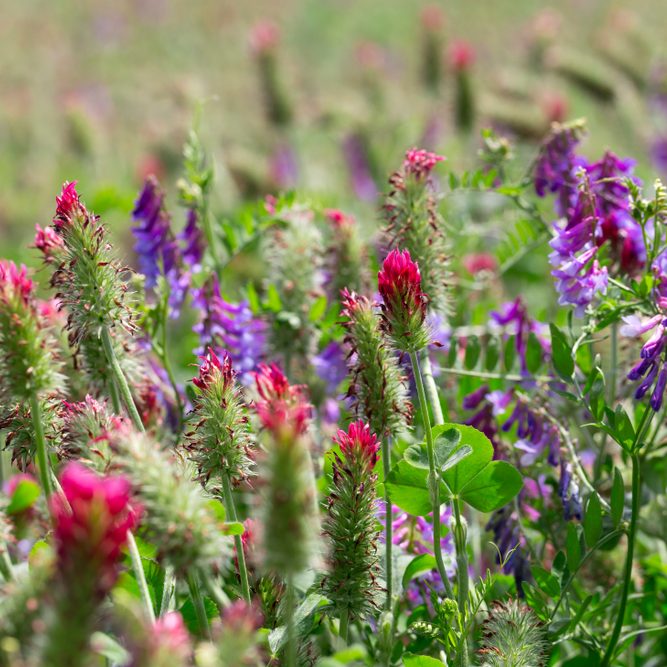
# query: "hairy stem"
x,y
629,557
137,567
433,477
120,380
431,388
167,591
40,445
388,563
461,575
238,542
290,609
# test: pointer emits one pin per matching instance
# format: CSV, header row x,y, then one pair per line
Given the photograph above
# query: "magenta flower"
x,y
420,163
15,285
212,369
404,303
281,406
67,205
169,635
264,37
359,445
91,523
461,55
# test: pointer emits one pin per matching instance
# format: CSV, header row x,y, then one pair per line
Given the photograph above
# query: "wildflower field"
x,y
333,334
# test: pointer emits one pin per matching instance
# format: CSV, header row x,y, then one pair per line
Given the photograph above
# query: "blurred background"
x,y
319,95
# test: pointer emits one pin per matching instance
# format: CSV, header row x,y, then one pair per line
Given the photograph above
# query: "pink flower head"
x,y
370,56
351,302
419,163
404,308
47,240
67,205
359,444
282,406
13,482
212,370
339,219
478,262
169,634
432,18
91,523
264,37
241,618
461,55
14,282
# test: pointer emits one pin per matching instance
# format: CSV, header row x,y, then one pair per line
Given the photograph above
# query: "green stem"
x,y
431,388
198,602
6,567
343,626
166,362
138,570
115,397
40,445
120,380
238,542
290,609
433,477
388,528
461,575
629,557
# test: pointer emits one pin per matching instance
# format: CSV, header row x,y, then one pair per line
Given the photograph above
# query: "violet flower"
x,y
230,327
156,246
359,169
193,241
651,370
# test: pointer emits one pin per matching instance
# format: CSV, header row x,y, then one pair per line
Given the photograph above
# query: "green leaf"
x,y
493,487
534,354
273,302
593,520
407,486
233,528
572,547
624,431
617,498
24,496
561,353
509,353
419,565
412,660
472,352
318,309
479,481
492,355
546,581
451,355
302,614
190,615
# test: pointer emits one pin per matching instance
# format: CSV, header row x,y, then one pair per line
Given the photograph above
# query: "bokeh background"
x,y
105,92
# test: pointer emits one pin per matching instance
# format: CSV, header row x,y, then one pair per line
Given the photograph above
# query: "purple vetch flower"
x,y
616,227
358,167
556,166
513,318
568,490
414,535
536,434
230,327
658,150
156,246
330,366
507,536
283,167
660,272
193,241
651,370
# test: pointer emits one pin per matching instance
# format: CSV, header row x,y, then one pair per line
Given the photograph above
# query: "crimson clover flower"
x,y
419,163
219,441
281,406
91,524
351,523
404,303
